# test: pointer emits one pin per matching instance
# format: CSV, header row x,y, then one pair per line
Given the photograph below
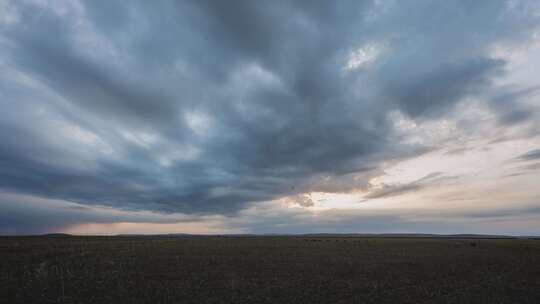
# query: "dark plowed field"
x,y
268,270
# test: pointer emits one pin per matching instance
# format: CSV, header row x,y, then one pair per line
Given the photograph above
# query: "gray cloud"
x,y
443,220
509,108
23,214
530,156
535,166
393,190
399,189
205,106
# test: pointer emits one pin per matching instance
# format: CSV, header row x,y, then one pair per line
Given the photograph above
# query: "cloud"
x,y
304,200
530,156
204,107
535,166
511,110
385,190
268,218
25,214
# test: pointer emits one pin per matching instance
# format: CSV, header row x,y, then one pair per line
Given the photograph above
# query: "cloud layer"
x,y
206,107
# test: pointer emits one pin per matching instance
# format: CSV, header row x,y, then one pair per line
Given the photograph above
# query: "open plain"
x,y
268,269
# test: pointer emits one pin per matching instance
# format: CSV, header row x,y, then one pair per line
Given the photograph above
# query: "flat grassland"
x,y
268,269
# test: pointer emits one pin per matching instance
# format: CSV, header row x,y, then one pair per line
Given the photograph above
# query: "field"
x,y
268,269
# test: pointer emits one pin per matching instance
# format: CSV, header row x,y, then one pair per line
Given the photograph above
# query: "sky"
x,y
214,117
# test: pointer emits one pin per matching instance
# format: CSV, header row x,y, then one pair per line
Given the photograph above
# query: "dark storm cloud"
x,y
204,106
447,85
23,214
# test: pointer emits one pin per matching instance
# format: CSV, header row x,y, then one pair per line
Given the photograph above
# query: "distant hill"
x,y
57,235
414,235
330,235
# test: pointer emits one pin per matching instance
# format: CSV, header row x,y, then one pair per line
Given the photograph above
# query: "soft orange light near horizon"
x,y
146,228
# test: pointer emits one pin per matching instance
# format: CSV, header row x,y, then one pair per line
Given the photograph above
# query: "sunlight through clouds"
x,y
281,116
